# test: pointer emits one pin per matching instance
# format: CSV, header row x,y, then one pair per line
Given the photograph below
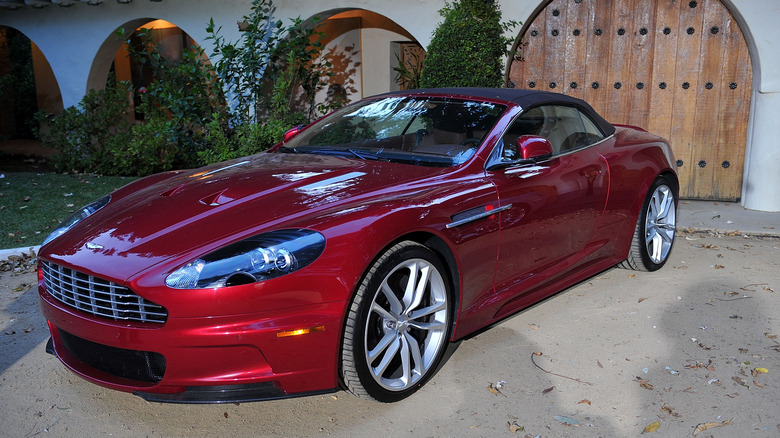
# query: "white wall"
x,y
759,23
377,54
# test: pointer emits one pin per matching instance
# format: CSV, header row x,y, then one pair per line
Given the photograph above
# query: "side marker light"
x,y
298,332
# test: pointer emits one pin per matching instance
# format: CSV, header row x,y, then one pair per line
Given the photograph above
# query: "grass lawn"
x,y
33,204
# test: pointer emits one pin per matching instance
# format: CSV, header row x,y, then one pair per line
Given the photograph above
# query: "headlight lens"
x,y
258,258
77,217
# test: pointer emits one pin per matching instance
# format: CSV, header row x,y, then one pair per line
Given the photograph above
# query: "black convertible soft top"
x,y
526,99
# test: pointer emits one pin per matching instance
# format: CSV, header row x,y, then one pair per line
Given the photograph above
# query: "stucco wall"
x,y
759,23
70,39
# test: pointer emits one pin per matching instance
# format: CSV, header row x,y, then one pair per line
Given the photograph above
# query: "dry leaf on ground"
x,y
514,427
644,383
701,427
652,427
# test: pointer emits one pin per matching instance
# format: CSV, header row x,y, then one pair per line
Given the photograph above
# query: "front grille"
x,y
144,366
99,297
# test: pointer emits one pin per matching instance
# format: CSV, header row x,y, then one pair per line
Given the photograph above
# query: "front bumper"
x,y
202,360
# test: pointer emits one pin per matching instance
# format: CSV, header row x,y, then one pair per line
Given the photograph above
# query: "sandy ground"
x,y
684,347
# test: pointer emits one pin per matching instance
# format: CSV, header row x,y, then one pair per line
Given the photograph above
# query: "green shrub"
x,y
177,105
81,133
148,149
468,48
245,139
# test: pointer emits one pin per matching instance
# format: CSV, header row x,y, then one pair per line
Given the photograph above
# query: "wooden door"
x,y
677,68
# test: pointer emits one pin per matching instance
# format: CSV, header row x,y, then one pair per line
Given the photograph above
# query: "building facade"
x,y
702,73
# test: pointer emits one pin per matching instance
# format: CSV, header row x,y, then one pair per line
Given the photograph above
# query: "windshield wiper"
x,y
365,155
341,152
289,150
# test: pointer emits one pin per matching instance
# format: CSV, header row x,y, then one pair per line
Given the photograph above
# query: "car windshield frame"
x,y
419,130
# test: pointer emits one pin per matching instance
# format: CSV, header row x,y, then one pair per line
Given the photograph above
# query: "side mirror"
x,y
533,147
530,149
292,133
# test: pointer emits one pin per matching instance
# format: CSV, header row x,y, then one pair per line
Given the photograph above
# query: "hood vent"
x,y
217,199
172,191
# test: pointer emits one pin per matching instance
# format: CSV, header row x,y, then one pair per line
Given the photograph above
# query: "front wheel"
x,y
398,324
655,229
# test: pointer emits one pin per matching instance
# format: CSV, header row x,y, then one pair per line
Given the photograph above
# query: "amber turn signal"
x,y
298,332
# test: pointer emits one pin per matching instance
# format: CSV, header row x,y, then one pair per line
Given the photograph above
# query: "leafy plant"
x,y
178,104
262,71
408,76
245,139
468,48
82,133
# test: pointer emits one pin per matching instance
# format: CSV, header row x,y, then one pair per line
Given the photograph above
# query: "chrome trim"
x,y
241,163
478,216
99,297
585,147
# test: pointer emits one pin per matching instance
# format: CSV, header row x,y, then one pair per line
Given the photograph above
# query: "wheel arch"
x,y
642,194
442,250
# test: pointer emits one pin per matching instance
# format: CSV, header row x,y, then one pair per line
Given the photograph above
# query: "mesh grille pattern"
x,y
99,297
144,366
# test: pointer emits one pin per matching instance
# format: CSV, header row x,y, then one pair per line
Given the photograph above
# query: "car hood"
x,y
151,221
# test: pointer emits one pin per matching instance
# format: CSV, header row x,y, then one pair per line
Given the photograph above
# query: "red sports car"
x,y
355,253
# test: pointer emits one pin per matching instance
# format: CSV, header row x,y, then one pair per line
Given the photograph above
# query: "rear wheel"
x,y
398,324
655,229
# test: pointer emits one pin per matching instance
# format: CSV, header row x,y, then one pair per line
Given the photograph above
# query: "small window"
x,y
567,129
530,122
594,133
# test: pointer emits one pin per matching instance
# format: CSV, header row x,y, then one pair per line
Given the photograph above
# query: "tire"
x,y
398,325
654,233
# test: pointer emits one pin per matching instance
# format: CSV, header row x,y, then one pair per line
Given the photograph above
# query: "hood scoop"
x,y
217,199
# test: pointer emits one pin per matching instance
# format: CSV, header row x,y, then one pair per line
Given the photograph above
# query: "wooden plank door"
x,y
680,69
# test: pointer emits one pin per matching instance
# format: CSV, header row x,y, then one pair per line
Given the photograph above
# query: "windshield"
x,y
428,131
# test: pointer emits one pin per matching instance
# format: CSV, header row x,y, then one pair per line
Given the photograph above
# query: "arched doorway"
x,y
365,49
678,69
113,56
27,85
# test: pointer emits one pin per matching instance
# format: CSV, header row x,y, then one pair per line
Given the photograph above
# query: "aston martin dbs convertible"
x,y
357,252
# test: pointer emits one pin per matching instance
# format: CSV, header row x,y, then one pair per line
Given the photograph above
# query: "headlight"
x,y
77,217
257,258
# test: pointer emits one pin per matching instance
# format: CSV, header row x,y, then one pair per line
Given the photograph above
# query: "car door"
x,y
556,204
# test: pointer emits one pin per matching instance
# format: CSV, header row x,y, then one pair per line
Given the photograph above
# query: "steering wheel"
x,y
418,137
474,141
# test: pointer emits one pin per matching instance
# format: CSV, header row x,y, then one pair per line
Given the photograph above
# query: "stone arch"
x,y
113,55
365,46
111,51
684,69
